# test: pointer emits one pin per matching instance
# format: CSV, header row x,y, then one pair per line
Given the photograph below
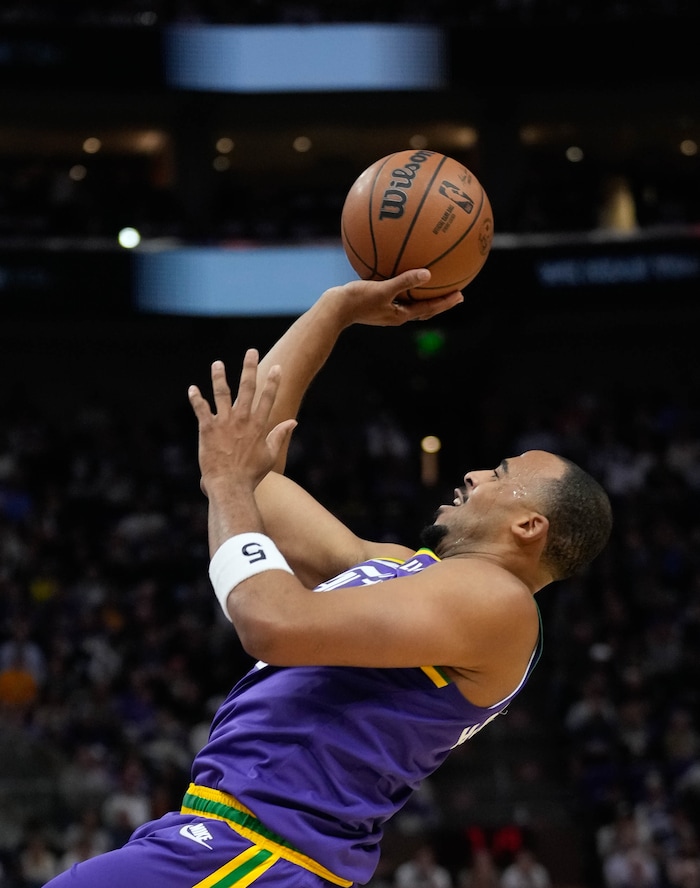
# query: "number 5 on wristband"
x,y
240,557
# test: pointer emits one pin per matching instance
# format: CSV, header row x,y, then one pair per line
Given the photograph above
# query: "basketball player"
x,y
373,660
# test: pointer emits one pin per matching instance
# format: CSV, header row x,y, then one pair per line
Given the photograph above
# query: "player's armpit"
x,y
315,543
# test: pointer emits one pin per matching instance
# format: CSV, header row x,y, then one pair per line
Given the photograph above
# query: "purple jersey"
x,y
323,756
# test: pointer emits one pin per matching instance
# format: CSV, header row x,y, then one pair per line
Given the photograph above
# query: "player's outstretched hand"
x,y
385,303
235,446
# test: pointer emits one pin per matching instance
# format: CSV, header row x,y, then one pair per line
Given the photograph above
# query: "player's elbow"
x,y
257,638
263,623
269,644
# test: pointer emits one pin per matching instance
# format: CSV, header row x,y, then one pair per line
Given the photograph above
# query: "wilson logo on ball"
x,y
394,200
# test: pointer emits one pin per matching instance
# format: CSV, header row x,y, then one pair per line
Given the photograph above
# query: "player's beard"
x,y
432,535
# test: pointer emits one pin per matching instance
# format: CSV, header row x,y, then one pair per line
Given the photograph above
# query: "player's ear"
x,y
530,527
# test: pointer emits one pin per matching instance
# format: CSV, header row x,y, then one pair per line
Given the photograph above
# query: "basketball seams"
x,y
465,233
350,246
375,252
424,196
372,270
460,283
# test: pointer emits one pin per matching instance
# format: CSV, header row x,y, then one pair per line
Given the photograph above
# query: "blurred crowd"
x,y
638,182
81,198
152,12
114,653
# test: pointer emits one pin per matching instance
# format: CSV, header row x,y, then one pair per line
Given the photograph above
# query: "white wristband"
x,y
240,557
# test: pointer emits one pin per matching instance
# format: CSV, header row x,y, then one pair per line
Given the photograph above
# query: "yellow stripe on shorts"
x,y
242,871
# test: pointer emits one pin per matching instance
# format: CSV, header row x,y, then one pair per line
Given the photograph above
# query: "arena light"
x,y
129,238
430,447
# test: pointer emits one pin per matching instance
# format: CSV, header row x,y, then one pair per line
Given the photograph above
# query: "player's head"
x,y
537,502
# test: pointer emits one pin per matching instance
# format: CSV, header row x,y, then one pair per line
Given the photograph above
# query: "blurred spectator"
x,y
683,869
21,648
84,837
129,805
85,779
635,727
683,453
622,469
688,789
18,686
538,433
526,871
38,862
422,870
681,741
482,871
592,722
422,814
654,814
628,862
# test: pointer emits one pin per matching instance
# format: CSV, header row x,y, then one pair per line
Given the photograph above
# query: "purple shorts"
x,y
189,851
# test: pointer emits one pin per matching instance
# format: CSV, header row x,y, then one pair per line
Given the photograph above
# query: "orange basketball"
x,y
418,209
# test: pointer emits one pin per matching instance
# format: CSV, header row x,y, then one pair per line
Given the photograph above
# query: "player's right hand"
x,y
385,303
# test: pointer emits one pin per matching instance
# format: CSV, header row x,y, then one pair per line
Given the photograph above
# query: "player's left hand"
x,y
236,447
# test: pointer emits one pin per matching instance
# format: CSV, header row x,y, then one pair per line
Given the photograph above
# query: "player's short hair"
x,y
580,520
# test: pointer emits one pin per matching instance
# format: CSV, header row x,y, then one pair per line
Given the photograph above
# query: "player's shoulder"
x,y
480,581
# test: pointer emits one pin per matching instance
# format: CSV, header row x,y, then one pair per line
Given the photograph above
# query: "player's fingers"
x,y
220,387
247,382
424,309
197,402
279,436
414,277
269,393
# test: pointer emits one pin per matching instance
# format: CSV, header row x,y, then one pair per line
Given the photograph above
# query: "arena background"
x,y
583,123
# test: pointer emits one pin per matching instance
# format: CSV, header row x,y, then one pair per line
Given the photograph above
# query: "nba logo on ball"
x,y
418,209
462,200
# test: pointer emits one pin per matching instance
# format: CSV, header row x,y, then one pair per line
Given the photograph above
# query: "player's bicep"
x,y
448,614
400,623
315,543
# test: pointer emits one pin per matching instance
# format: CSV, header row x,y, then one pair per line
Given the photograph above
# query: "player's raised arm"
x,y
287,512
303,350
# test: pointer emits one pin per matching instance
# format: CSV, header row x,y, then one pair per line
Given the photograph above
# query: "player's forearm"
x,y
302,351
232,510
304,348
